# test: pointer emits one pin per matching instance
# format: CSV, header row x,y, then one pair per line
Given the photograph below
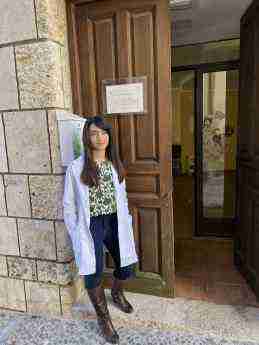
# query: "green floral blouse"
x,y
102,198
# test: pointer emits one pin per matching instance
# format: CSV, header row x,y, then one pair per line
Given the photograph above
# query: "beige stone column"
x,y
37,270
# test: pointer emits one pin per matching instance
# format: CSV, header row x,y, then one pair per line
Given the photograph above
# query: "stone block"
x,y
54,143
51,19
17,195
46,196
27,141
42,298
71,296
66,74
37,239
64,244
8,85
3,266
3,156
52,24
12,294
79,287
56,273
40,75
68,298
21,268
17,21
2,198
8,236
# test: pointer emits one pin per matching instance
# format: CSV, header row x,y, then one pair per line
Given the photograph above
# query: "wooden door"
x,y
118,39
247,238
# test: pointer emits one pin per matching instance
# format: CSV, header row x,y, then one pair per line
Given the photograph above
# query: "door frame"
x,y
198,70
146,282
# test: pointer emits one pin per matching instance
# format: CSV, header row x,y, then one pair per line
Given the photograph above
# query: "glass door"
x,y
216,149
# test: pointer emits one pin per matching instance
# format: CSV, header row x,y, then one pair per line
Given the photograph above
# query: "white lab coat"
x,y
77,219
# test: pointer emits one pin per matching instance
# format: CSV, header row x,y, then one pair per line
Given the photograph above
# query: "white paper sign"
x,y
125,98
70,128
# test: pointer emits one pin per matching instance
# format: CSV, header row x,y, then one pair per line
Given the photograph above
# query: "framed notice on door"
x,y
125,96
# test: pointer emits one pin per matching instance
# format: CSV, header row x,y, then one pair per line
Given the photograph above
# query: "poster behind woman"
x,y
70,128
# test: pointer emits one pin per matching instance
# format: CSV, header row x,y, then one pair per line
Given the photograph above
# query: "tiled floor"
x,y
205,271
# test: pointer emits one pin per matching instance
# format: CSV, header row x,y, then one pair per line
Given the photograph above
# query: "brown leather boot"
x,y
118,297
98,300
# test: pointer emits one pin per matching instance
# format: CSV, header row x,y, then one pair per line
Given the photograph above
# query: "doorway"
x,y
205,114
205,111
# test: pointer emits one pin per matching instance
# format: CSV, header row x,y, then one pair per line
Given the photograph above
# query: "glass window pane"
x,y
220,110
183,93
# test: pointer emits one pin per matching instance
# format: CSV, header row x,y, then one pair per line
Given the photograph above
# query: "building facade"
x,y
36,259
56,51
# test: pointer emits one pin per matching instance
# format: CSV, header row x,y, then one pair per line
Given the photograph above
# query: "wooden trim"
x,y
74,58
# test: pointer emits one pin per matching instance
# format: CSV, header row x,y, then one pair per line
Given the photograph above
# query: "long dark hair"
x,y
89,174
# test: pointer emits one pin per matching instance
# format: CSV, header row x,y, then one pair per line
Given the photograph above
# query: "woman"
x,y
96,213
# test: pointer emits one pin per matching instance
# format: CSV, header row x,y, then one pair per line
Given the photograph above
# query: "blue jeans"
x,y
104,230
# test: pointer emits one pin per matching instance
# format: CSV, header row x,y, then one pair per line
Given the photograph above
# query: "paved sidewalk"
x,y
19,329
155,321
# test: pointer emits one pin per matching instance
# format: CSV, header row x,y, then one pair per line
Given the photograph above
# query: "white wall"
x,y
207,20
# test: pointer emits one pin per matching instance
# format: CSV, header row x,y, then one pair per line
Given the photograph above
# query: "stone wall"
x,y
37,270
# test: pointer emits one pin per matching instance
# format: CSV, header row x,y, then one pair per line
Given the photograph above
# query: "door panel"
x,y
247,237
122,39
